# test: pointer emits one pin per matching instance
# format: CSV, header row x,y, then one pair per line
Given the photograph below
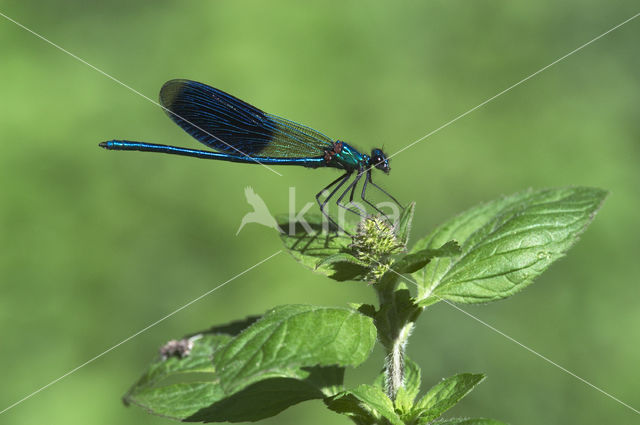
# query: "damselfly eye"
x,y
379,160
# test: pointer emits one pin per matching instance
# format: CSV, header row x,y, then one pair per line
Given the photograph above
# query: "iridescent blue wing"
x,y
227,124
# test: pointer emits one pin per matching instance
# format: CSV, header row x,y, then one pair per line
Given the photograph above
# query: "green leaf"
x,y
343,266
269,397
505,244
411,263
348,405
366,309
293,353
403,403
294,336
328,253
177,387
363,402
462,421
446,394
404,223
340,258
412,378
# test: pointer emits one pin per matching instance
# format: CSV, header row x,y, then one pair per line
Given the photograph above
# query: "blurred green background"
x,y
97,245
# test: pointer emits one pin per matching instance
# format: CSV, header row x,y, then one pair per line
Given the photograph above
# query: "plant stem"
x,y
394,336
394,370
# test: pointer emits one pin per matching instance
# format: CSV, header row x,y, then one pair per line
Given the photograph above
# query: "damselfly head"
x,y
379,160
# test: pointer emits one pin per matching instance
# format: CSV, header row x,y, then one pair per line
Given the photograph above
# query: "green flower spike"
x,y
374,244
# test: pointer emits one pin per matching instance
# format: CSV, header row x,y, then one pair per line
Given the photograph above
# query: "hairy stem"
x,y
394,370
394,329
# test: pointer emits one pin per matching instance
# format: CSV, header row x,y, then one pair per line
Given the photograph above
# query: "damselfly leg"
x,y
341,181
